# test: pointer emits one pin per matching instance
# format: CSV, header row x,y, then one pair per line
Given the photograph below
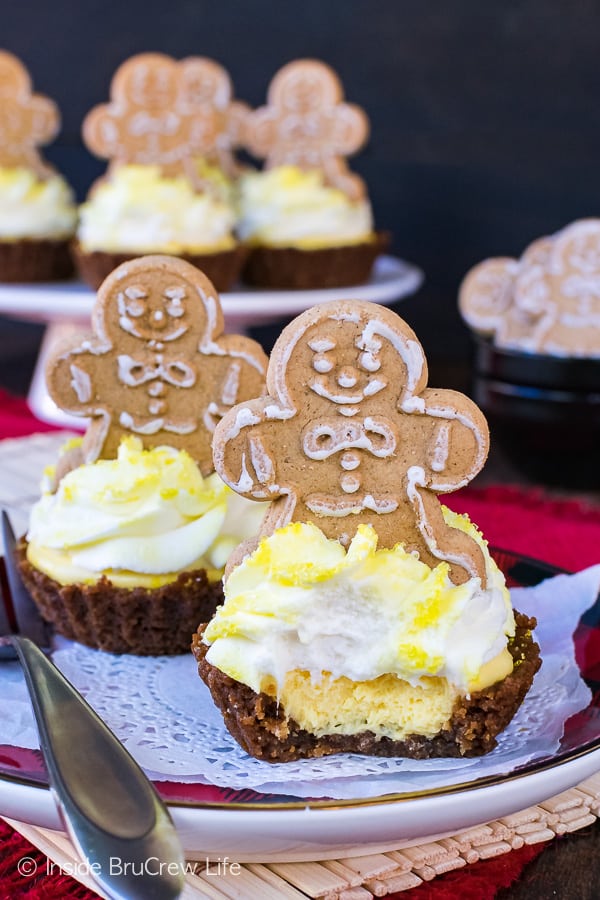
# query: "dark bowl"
x,y
544,413
562,373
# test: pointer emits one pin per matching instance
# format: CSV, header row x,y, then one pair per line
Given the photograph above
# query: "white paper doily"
x,y
163,713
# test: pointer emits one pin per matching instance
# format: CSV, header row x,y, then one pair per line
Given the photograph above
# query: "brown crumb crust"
x,y
290,268
35,260
222,268
145,622
262,728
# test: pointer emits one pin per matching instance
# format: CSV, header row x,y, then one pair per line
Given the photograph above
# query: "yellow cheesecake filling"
x,y
137,209
35,208
286,207
140,519
360,639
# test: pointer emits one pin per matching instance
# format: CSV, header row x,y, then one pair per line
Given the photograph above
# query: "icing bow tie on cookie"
x,y
349,433
176,372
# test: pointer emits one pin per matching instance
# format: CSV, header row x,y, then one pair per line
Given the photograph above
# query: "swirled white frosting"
x,y
140,519
304,602
137,209
285,206
31,207
360,639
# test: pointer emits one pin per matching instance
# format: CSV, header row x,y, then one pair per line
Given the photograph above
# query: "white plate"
x,y
251,834
391,280
256,828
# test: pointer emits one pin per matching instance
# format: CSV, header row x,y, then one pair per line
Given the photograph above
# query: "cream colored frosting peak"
x,y
363,639
140,518
302,602
137,209
285,206
31,207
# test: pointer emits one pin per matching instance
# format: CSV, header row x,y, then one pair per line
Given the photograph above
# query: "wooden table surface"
x,y
569,867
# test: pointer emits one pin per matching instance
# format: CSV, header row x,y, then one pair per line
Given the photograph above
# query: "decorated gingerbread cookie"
x,y
168,113
307,124
546,302
27,120
349,433
158,365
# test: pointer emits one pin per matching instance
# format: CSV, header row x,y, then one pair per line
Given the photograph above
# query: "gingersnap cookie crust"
x,y
142,621
260,724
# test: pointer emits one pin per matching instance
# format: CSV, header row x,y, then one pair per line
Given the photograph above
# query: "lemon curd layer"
x,y
286,207
137,209
31,207
363,639
140,519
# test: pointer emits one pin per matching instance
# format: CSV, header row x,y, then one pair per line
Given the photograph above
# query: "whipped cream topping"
x,y
303,603
137,209
148,512
31,207
285,206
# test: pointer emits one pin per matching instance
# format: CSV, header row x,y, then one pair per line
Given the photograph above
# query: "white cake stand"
x,y
66,307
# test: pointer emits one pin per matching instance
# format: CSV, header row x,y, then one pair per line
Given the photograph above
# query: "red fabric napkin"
x,y
563,532
16,420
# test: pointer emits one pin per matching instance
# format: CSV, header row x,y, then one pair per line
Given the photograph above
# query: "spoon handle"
x,y
109,807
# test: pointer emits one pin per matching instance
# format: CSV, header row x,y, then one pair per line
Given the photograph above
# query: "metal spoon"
x,y
110,809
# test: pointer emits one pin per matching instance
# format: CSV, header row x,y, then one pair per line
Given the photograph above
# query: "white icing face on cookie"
x,y
151,87
345,375
157,316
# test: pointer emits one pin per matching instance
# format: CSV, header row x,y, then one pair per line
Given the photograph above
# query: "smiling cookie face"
x,y
346,365
152,312
149,82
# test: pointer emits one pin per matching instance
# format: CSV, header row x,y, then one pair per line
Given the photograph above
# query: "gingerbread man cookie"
x,y
27,120
546,302
207,86
306,124
158,365
167,113
349,433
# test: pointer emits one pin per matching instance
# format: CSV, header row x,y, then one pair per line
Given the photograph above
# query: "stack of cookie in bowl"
x,y
536,327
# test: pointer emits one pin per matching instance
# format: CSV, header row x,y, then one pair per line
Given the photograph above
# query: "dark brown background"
x,y
485,134
485,116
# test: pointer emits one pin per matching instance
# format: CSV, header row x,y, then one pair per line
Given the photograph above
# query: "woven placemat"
x,y
361,877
